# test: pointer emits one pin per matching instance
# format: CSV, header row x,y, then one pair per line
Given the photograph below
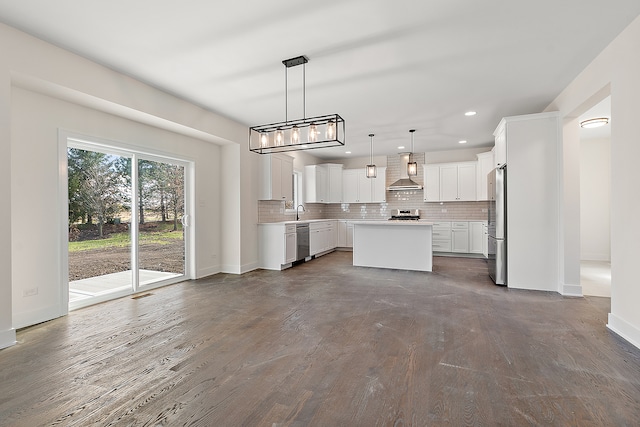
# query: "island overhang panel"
x,y
403,245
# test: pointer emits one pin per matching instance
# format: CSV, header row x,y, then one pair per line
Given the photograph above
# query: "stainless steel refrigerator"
x,y
497,226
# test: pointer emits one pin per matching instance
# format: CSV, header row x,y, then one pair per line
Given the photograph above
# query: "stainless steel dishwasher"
x,y
302,237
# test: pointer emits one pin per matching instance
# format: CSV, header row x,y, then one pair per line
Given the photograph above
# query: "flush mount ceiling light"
x,y
594,123
371,168
412,167
463,141
470,113
299,134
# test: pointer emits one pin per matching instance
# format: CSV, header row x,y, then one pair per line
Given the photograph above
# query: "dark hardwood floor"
x,y
327,344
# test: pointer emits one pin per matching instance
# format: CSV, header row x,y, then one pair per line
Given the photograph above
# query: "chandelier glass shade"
x,y
299,134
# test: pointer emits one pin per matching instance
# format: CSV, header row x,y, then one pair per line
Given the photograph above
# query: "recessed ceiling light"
x,y
464,141
347,152
594,123
470,113
401,147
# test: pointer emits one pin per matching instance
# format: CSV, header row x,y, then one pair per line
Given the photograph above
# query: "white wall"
x,y
615,71
595,199
7,331
43,88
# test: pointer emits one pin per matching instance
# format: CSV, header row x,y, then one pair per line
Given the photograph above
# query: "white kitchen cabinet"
x,y
500,148
460,236
485,240
357,188
345,234
485,165
276,171
323,183
379,186
431,183
323,237
277,245
450,182
290,244
441,236
476,237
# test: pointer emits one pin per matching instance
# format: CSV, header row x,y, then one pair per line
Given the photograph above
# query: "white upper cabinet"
x,y
357,188
323,183
501,145
485,165
431,183
276,171
450,182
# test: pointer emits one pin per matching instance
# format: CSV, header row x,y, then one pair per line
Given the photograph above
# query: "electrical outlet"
x,y
484,210
444,210
30,292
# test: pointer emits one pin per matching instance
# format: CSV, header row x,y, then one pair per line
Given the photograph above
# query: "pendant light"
x,y
299,134
371,168
412,167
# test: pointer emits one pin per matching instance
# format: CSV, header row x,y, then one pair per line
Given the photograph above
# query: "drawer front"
x,y
290,228
442,225
441,235
441,246
460,224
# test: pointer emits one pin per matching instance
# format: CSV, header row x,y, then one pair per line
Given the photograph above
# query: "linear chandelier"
x,y
299,134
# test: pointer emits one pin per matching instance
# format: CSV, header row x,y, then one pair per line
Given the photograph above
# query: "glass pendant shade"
x,y
371,171
279,137
313,132
412,167
331,130
295,135
264,139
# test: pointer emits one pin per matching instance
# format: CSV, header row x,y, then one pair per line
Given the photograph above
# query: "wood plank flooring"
x,y
327,344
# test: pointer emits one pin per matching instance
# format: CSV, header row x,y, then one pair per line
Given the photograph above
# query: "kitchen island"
x,y
404,245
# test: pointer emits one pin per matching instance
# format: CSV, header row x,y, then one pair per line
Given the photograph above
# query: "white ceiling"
x,y
384,66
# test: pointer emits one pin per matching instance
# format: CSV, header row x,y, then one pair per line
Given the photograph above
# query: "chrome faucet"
x,y
303,210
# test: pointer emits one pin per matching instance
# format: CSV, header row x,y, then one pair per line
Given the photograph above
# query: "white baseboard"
x,y
595,257
571,290
625,329
7,338
209,271
249,267
33,317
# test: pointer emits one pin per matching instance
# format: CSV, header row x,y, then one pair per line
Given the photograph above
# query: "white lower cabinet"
x,y
465,237
441,237
485,240
290,244
277,245
476,237
460,237
345,234
323,237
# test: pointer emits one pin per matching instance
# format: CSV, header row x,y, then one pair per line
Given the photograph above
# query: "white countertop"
x,y
395,222
366,221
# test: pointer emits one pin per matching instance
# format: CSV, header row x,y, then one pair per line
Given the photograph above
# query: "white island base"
x,y
403,245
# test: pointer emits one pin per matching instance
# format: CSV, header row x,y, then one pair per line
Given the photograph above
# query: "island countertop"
x,y
394,222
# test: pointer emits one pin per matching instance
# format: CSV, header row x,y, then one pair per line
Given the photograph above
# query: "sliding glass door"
x,y
161,201
126,222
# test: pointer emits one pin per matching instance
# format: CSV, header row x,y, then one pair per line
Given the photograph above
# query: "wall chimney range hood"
x,y
404,183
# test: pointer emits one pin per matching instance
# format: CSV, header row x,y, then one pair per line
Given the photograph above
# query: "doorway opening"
x,y
127,221
595,203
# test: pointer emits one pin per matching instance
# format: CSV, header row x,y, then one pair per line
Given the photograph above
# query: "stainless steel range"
x,y
405,215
